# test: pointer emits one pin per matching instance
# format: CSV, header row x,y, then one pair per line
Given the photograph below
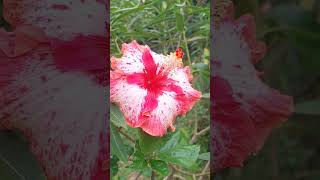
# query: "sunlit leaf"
x,y
185,156
205,156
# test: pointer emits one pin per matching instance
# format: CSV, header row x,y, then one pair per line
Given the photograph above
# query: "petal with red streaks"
x,y
51,108
129,97
162,117
59,19
245,110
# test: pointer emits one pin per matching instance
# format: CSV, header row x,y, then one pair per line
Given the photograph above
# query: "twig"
x,y
172,173
182,171
186,45
117,45
178,177
195,131
197,134
205,169
204,174
191,174
126,135
203,131
140,173
9,164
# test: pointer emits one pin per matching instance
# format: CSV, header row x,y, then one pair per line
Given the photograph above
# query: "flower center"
x,y
154,82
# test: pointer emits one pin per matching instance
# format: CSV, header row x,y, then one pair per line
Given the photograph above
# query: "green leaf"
x,y
139,162
205,156
309,107
116,117
117,15
179,22
160,167
173,141
117,146
149,144
16,161
185,156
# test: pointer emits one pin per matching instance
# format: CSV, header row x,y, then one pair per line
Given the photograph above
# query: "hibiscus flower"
x,y
151,89
244,109
53,84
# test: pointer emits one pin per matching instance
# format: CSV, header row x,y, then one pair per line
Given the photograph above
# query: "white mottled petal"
x,y
236,66
181,77
53,110
130,97
163,116
59,18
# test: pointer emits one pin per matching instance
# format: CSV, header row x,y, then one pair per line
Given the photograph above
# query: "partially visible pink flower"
x,y
151,89
244,109
53,84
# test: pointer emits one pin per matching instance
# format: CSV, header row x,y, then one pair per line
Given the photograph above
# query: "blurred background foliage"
x,y
291,29
16,160
164,26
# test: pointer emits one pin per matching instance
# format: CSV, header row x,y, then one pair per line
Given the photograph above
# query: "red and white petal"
x,y
22,40
162,117
227,37
182,78
159,59
51,109
166,62
59,18
245,110
237,67
247,27
131,60
83,53
129,97
240,128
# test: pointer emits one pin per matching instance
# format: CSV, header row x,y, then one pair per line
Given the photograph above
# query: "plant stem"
x,y
205,169
186,45
191,174
126,135
196,135
117,45
138,175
